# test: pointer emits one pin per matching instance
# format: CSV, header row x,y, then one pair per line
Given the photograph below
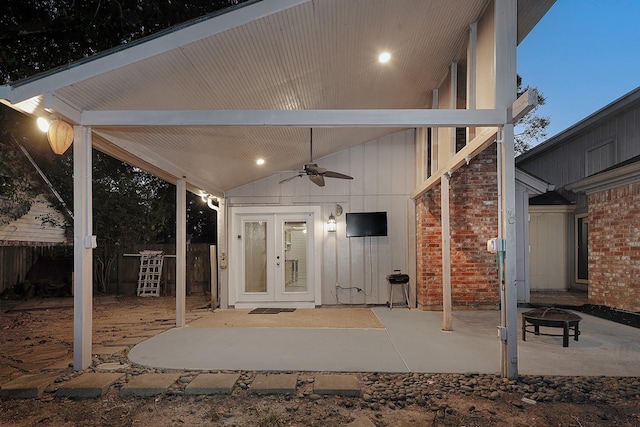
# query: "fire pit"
x,y
552,318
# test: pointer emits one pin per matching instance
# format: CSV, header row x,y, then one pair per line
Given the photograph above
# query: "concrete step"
x,y
212,384
148,385
274,384
27,386
88,385
340,385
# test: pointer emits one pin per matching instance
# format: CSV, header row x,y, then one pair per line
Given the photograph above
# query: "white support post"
x,y
435,143
453,104
181,251
447,323
82,249
472,63
223,254
510,311
506,12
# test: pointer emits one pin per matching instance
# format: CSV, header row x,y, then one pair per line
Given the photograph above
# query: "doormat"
x,y
272,310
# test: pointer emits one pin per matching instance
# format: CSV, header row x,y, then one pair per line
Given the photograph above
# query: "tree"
x,y
532,127
129,205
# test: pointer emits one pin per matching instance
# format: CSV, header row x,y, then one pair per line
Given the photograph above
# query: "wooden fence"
x,y
16,261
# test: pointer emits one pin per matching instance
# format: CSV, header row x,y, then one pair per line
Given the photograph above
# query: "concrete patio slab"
x,y
27,386
339,385
88,385
148,385
412,341
212,384
274,384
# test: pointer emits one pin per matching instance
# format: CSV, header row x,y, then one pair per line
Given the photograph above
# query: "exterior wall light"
x,y
331,223
60,136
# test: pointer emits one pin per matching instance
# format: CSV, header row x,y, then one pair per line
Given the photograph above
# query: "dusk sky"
x,y
582,55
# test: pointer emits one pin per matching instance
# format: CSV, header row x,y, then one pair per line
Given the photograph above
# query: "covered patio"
x,y
200,104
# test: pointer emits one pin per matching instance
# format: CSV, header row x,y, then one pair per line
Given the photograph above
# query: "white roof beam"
x,y
296,118
55,105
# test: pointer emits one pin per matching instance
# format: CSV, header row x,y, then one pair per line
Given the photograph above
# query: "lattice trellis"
x,y
150,273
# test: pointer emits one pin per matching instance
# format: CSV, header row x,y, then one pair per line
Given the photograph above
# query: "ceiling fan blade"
x,y
331,174
317,180
289,179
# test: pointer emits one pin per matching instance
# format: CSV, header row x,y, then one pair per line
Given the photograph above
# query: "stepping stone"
x,y
123,341
148,385
27,386
100,349
341,385
274,384
212,384
60,365
88,385
111,366
361,422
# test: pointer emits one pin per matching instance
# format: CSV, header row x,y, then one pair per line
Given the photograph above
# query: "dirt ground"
x,y
36,336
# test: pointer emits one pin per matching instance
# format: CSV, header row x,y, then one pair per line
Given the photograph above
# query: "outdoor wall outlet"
x,y
223,261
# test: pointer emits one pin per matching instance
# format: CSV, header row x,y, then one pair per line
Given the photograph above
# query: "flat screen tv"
x,y
361,224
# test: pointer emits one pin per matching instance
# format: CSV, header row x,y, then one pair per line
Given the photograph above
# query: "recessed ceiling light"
x,y
384,57
260,162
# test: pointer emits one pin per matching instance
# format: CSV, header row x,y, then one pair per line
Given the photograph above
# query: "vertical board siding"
x,y
383,178
566,163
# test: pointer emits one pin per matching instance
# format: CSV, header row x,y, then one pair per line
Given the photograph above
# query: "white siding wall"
x,y
383,172
30,228
548,234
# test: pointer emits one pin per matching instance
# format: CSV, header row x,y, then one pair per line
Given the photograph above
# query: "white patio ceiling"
x,y
290,55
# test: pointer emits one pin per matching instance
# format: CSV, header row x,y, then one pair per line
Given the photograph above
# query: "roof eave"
x,y
628,174
564,136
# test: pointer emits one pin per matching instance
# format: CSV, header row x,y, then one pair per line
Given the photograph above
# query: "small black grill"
x,y
398,278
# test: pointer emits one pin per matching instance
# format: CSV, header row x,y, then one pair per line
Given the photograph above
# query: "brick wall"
x,y
473,220
614,247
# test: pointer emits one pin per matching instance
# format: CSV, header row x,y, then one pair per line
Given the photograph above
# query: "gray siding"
x,y
609,140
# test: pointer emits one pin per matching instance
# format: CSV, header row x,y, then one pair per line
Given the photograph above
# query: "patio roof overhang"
x,y
204,100
199,104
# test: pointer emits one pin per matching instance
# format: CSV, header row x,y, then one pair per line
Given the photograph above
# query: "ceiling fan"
x,y
315,173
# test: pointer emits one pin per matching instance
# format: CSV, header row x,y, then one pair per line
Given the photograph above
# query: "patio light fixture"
x,y
59,134
331,223
384,57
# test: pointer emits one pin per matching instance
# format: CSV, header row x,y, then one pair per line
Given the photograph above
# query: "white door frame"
x,y
314,275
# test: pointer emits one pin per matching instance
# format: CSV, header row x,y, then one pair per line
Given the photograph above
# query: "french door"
x,y
275,258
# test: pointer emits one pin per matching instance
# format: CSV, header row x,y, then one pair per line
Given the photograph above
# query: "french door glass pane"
x,y
295,256
255,256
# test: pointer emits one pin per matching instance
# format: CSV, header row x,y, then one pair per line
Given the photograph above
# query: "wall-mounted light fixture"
x,y
59,134
331,223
